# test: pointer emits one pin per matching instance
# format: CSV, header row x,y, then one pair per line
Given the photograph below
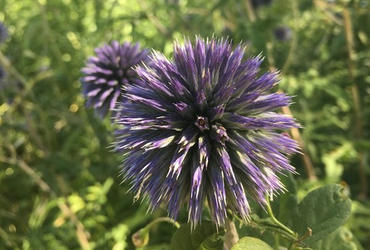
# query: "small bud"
x,y
283,33
141,238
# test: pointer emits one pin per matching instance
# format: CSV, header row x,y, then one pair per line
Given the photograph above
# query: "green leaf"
x,y
341,239
204,237
323,210
251,243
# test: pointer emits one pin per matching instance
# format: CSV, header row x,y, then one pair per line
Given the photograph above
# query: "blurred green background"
x,y
59,184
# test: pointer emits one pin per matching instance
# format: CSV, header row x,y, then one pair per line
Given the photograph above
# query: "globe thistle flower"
x,y
202,127
3,33
283,33
108,71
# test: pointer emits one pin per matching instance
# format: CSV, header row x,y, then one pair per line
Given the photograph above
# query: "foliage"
x,y
322,210
251,243
203,237
58,178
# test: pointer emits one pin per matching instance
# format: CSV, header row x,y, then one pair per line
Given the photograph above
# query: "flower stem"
x,y
358,129
141,238
9,68
276,242
231,235
162,219
294,43
308,166
250,10
276,221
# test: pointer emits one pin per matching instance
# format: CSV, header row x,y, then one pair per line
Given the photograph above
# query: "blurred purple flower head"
x,y
3,33
202,127
259,3
283,33
106,73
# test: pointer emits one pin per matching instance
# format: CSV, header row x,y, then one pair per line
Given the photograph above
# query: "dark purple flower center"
x,y
220,134
202,123
217,131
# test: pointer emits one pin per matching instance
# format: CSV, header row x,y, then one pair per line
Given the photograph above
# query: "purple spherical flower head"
x,y
203,128
106,73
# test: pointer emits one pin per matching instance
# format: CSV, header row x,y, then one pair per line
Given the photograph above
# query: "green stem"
x,y
291,245
141,238
250,10
9,68
358,129
277,242
231,235
272,216
294,43
162,219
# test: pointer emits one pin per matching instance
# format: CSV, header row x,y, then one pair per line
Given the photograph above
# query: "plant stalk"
x,y
308,166
272,216
231,235
307,163
356,101
162,219
250,10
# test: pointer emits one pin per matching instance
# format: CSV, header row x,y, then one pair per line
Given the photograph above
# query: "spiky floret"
x,y
202,127
106,73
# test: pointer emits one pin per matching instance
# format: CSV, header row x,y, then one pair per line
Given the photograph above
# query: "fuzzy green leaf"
x,y
251,243
323,210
